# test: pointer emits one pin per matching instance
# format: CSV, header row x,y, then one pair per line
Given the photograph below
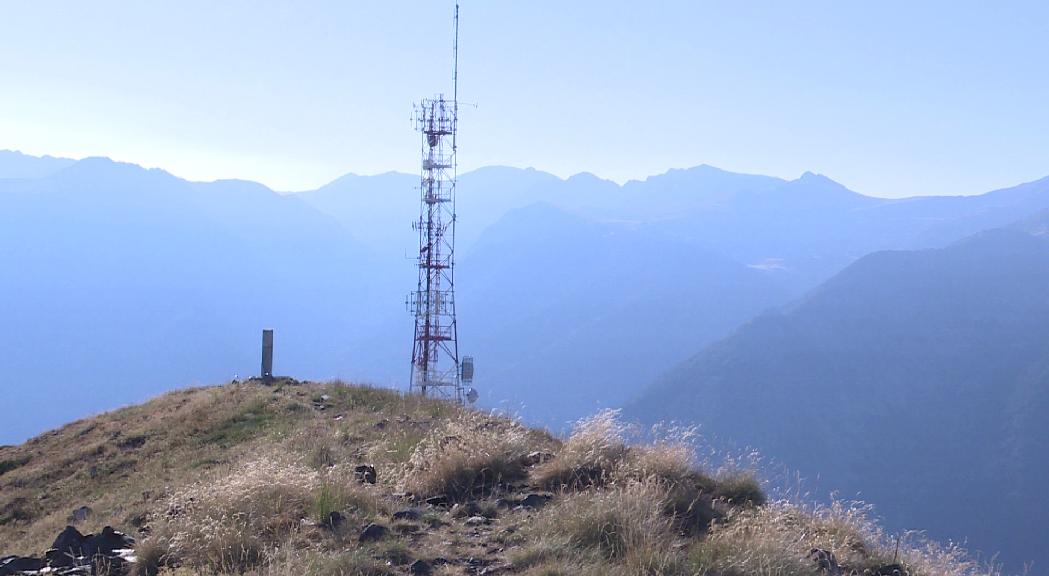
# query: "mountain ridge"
x,y
925,362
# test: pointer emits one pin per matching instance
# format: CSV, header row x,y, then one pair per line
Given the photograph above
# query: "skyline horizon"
x,y
893,98
561,177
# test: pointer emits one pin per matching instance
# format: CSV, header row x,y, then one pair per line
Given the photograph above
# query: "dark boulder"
x,y
440,500
80,514
373,532
365,474
334,520
407,514
420,568
16,564
67,548
69,541
106,543
73,553
535,499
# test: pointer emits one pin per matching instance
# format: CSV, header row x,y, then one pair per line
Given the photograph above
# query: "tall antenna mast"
x,y
455,60
436,368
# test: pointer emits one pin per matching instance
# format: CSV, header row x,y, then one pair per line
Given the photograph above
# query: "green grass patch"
x,y
251,422
326,500
362,397
400,448
204,463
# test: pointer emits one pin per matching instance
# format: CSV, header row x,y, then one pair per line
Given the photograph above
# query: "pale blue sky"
x,y
891,98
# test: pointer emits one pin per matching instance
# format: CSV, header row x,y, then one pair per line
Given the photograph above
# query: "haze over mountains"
x,y
573,295
914,379
578,290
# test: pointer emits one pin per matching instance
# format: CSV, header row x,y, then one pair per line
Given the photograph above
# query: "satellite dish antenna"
x,y
471,395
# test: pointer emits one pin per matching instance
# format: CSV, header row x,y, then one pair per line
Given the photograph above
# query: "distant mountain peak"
x,y
105,166
589,178
817,185
15,164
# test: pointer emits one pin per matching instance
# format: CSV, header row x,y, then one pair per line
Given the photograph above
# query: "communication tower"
x,y
436,367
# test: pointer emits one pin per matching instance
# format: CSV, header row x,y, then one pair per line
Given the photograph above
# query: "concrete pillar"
x,y
267,355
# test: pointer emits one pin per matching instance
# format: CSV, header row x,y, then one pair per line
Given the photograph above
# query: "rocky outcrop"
x,y
365,474
373,532
107,553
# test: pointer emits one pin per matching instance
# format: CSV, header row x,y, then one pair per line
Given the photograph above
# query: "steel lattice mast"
x,y
436,370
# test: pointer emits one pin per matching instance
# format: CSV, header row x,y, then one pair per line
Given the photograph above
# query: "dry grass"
x,y
228,524
617,523
590,457
773,540
470,456
612,530
119,463
237,520
243,479
598,454
739,487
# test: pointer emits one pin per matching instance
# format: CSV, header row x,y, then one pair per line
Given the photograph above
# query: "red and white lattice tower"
x,y
436,369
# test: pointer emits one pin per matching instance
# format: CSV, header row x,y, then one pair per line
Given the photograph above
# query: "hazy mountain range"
x,y
917,380
815,345
580,289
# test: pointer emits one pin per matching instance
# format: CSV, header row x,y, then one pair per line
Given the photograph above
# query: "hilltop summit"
x,y
303,478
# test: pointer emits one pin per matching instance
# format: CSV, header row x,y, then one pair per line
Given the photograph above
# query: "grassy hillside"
x,y
255,479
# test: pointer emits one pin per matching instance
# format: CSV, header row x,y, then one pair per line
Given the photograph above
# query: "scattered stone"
x,y
15,564
525,501
420,568
407,514
80,514
365,474
334,520
321,403
440,500
825,561
535,499
106,543
66,548
373,532
477,521
536,458
73,553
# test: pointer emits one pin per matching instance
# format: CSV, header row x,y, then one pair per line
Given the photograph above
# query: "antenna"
x,y
455,75
436,369
455,59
